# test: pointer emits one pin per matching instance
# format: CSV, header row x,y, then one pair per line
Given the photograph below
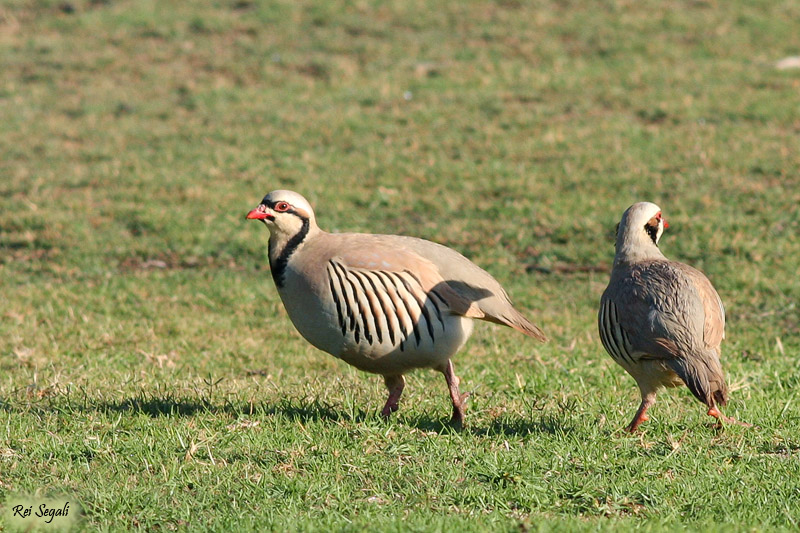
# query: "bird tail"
x,y
703,374
515,319
523,325
481,303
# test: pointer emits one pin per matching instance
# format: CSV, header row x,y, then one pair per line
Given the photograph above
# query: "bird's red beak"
x,y
259,213
666,224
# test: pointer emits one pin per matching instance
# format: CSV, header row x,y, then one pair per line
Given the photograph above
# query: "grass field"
x,y
149,372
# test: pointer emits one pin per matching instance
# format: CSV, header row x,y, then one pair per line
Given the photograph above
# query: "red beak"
x,y
255,214
666,224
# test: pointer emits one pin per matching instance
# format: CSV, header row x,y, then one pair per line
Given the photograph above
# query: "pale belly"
x,y
655,373
374,343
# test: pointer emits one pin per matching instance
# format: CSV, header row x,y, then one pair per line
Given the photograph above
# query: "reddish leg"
x,y
458,399
395,384
641,415
713,411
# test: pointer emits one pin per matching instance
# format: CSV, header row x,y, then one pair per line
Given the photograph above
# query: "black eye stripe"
x,y
272,205
652,231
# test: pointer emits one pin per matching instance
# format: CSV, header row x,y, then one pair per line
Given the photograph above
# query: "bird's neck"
x,y
283,246
630,252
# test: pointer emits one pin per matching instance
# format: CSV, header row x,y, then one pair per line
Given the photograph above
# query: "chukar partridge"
x,y
661,320
385,304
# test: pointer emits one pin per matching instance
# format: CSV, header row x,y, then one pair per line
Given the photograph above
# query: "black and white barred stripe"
x,y
614,338
384,307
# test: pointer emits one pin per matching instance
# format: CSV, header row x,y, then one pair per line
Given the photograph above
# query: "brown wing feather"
x,y
462,297
398,260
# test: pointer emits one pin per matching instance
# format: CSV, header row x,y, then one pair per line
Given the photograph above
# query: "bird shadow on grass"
x,y
305,409
151,406
165,404
549,424
503,426
294,409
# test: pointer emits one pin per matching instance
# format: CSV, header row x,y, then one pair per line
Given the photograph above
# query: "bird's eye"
x,y
282,206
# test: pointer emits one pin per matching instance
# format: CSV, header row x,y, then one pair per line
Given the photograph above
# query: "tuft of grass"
x,y
149,371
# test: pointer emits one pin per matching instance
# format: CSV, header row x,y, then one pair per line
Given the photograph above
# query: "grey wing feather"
x,y
667,311
474,285
658,308
713,311
614,337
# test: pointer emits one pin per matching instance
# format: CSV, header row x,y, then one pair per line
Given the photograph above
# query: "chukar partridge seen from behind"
x,y
661,320
385,304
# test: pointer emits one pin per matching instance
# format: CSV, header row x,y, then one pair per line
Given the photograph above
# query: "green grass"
x,y
149,371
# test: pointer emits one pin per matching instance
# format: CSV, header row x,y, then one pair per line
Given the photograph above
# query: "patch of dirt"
x,y
24,254
566,268
174,261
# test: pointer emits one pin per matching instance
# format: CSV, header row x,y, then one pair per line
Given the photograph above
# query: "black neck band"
x,y
278,267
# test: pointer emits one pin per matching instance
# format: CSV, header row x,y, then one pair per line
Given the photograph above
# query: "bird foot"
x,y
713,411
395,384
388,409
636,422
457,421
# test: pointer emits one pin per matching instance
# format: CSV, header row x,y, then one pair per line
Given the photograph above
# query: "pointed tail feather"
x,y
472,302
516,320
704,377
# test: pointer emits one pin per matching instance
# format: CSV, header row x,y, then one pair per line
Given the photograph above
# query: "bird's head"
x,y
639,231
285,213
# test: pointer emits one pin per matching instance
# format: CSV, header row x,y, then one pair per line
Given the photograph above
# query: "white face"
x,y
643,218
283,212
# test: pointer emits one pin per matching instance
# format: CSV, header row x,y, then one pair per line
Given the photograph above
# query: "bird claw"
x,y
637,420
388,409
457,421
713,411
